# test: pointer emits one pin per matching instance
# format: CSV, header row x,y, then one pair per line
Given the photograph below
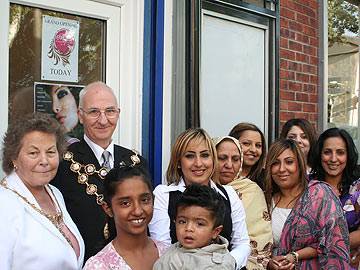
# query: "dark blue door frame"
x,y
152,114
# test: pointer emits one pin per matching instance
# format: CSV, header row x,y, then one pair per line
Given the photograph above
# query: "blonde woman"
x,y
193,159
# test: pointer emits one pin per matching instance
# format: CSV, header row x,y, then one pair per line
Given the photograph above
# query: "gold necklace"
x,y
57,219
84,171
83,179
290,202
83,176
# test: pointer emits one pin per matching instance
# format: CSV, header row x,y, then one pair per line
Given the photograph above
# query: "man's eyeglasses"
x,y
95,113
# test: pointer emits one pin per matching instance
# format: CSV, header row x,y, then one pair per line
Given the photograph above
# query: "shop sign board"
x,y
59,50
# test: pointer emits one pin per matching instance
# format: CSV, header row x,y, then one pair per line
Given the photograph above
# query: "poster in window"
x,y
59,49
61,101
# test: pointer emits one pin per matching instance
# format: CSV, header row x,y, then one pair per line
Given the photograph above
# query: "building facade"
x,y
173,64
300,58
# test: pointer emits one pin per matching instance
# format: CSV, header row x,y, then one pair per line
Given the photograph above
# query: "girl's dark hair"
x,y
349,174
203,196
256,173
120,173
306,126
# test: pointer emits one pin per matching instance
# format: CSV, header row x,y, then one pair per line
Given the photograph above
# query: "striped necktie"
x,y
106,158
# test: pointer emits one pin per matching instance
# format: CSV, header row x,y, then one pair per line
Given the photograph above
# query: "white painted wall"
x,y
167,86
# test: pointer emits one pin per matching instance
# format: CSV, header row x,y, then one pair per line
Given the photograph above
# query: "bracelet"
x,y
295,256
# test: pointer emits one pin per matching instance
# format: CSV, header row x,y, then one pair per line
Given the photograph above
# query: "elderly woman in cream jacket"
x,y
228,172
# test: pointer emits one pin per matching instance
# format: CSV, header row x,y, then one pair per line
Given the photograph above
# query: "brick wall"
x,y
299,44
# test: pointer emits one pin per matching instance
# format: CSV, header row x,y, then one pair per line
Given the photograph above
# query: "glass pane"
x,y
233,66
343,67
25,45
259,3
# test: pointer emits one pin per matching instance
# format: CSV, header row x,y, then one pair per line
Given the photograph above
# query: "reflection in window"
x,y
25,29
343,66
260,3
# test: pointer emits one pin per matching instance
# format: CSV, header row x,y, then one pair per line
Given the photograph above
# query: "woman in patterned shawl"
x,y
228,171
335,162
309,227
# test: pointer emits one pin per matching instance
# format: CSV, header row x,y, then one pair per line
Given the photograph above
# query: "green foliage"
x,y
343,17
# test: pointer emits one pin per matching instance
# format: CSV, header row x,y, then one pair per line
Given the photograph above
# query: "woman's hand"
x,y
280,263
290,258
354,258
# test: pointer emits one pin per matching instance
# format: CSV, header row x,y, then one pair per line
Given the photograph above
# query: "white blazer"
x,y
28,240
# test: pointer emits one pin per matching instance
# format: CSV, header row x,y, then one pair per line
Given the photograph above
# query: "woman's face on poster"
x,y
64,106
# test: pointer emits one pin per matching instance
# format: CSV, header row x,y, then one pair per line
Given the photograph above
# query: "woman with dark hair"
x,y
253,144
129,201
65,100
36,231
308,225
301,131
64,106
334,161
193,161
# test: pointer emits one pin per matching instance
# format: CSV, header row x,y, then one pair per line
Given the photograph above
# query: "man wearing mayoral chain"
x,y
87,162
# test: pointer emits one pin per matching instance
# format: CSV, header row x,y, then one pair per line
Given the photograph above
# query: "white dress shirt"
x,y
28,240
98,151
159,226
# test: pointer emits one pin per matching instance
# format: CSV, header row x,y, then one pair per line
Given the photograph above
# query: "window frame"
x,y
244,11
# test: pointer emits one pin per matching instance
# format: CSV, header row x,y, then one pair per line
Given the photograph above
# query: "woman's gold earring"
x,y
15,167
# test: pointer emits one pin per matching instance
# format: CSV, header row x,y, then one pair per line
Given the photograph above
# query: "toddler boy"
x,y
199,218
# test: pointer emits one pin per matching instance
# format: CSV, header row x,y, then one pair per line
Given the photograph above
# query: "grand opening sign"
x,y
59,49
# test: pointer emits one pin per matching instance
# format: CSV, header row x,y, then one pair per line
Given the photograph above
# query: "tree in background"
x,y
343,17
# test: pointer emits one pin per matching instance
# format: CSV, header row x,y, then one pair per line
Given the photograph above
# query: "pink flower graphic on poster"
x,y
61,46
59,49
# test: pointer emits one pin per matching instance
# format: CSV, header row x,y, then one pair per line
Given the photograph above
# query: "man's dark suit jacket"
x,y
86,213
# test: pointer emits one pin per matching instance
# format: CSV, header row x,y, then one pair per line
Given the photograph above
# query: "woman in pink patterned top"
x,y
129,200
313,234
334,161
